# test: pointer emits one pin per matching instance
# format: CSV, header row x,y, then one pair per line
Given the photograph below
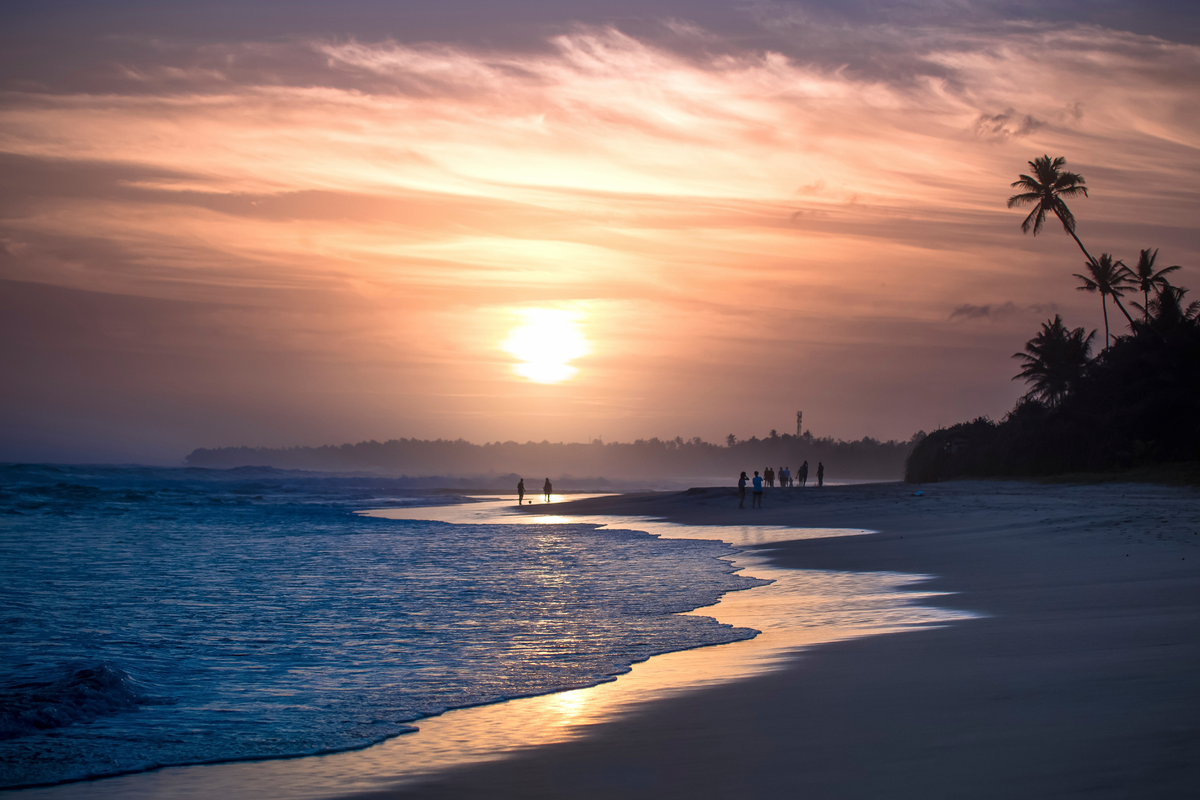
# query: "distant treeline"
x,y
866,458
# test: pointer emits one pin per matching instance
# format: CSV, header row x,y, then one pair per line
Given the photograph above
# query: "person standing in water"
x,y
520,491
804,475
547,488
742,491
756,495
820,474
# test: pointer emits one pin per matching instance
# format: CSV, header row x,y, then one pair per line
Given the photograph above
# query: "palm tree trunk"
x,y
1117,300
1104,305
1081,247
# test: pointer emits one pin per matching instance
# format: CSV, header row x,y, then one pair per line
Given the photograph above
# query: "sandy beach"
x,y
1078,679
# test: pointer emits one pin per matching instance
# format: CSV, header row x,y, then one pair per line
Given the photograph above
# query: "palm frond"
x,y
1035,219
1024,199
1064,214
1071,191
1160,278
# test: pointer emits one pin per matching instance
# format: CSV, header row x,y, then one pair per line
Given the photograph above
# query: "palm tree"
x,y
1166,312
1055,360
1146,278
1045,189
1107,277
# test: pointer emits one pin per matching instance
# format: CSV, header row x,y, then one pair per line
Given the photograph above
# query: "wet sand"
x,y
1081,677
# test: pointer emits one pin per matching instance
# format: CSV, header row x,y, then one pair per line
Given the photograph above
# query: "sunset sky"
x,y
280,223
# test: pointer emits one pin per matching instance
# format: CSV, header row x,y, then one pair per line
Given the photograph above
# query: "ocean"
x,y
154,616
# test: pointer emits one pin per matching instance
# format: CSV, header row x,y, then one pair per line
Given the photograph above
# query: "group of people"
x,y
769,477
785,478
546,490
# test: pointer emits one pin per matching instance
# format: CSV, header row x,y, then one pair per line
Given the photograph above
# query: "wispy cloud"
x,y
717,210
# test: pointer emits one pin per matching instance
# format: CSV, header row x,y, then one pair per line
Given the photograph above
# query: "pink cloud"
x,y
726,213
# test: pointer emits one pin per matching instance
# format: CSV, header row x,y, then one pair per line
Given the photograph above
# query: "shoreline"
x,y
1075,677
834,605
1078,678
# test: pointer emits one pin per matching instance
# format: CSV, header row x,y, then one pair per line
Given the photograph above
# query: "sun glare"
x,y
544,344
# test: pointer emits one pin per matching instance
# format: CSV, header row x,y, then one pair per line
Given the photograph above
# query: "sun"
x,y
544,344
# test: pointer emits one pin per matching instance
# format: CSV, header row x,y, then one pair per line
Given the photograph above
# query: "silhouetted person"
x,y
769,476
804,474
742,491
520,491
820,474
756,495
785,477
547,488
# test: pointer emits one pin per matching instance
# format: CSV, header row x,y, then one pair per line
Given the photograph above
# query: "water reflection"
x,y
800,608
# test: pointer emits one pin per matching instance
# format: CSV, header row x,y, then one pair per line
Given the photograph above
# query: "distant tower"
x,y
799,417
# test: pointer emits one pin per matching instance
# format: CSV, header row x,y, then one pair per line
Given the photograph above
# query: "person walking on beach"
x,y
756,495
804,474
786,480
820,474
742,491
520,491
547,488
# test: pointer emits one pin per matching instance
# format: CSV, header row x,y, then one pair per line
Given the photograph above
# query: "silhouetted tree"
x,y
1055,360
1107,277
1045,190
730,440
1145,278
1166,313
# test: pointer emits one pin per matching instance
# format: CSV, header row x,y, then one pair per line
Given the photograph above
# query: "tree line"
x,y
1135,403
866,458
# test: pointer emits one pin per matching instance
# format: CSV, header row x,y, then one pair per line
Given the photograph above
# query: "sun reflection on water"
x,y
799,608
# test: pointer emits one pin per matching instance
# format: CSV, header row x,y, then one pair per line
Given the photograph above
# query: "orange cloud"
x,y
749,233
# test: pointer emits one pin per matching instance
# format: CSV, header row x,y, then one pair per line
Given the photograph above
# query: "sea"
x,y
157,616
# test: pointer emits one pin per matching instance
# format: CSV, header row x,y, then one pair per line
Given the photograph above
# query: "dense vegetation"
x,y
1137,403
642,459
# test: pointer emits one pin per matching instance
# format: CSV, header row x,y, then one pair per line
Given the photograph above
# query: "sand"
x,y
1080,679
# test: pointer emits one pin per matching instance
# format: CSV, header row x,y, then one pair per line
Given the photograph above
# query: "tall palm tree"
x,y
1146,278
1107,277
1045,190
1055,360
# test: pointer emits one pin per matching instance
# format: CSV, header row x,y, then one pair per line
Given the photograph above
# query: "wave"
x,y
82,694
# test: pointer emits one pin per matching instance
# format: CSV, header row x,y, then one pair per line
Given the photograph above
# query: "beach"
x,y
1078,677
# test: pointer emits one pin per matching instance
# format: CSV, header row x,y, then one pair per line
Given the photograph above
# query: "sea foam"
x,y
155,617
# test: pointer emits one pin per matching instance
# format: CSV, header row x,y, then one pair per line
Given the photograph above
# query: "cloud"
x,y
1007,125
374,210
994,311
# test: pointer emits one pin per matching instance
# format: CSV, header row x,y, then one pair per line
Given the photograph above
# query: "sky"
x,y
304,223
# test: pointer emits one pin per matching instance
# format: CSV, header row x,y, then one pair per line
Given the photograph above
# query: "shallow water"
x,y
799,608
160,617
